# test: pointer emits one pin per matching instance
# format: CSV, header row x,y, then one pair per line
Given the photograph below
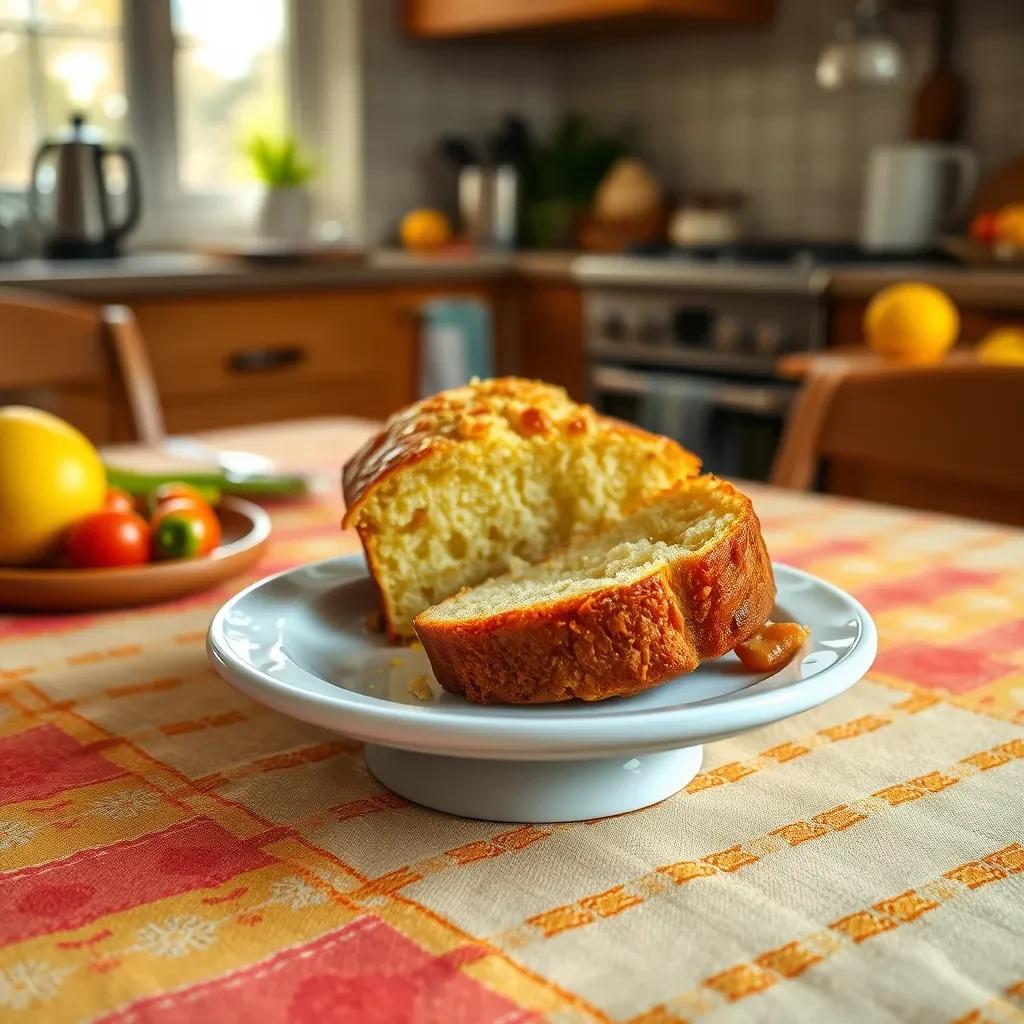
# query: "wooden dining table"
x,y
171,851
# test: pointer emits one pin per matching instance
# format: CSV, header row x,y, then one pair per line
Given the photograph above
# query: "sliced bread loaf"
x,y
459,487
683,579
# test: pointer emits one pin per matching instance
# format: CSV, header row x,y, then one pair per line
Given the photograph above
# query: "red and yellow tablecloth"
x,y
171,852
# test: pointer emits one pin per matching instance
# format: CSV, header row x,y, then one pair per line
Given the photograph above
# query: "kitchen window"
x,y
184,81
56,56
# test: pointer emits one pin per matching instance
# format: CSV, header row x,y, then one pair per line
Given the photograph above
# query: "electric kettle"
x,y
75,211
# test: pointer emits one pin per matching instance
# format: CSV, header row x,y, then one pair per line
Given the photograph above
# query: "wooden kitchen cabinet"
x,y
550,332
448,18
230,359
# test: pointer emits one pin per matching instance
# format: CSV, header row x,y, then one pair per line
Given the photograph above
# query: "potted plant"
x,y
285,172
561,177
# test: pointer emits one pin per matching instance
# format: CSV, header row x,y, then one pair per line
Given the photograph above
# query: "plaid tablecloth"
x,y
172,852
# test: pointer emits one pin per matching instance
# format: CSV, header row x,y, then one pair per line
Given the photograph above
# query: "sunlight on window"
x,y
79,14
230,81
15,110
15,9
84,75
57,57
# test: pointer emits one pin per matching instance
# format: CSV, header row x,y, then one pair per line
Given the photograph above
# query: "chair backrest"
x,y
85,363
946,438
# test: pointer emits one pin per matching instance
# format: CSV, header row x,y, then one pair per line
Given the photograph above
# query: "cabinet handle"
x,y
267,359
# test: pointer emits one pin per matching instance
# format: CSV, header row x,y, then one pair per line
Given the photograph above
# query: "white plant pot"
x,y
286,214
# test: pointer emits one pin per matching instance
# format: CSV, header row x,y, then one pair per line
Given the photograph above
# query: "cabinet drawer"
x,y
260,344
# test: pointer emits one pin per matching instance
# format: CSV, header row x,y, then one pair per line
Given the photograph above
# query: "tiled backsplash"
x,y
712,108
414,92
739,109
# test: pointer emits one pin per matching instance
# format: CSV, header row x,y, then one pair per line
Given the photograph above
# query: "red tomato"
x,y
183,528
108,539
117,500
983,228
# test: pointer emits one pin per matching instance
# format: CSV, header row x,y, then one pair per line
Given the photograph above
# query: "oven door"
x,y
734,425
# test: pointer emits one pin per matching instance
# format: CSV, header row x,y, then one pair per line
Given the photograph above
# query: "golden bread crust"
x,y
465,414
616,641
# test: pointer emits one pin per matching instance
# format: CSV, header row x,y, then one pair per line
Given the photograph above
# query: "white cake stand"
x,y
298,642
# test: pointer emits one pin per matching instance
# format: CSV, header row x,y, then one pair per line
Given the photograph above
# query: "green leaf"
x,y
278,162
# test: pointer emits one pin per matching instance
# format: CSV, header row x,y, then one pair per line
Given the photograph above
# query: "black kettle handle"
x,y
33,188
134,192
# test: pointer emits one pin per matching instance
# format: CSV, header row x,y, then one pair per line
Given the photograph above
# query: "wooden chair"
x,y
947,438
83,362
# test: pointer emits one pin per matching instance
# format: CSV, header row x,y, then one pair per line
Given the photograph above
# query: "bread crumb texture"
x,y
477,480
419,687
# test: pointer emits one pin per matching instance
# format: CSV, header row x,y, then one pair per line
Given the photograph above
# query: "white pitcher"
x,y
913,190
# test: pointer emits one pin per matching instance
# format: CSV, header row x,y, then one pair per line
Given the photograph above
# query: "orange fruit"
x,y
1009,225
1003,346
911,322
424,230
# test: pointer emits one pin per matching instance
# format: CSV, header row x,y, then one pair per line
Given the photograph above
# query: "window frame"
x,y
172,214
34,35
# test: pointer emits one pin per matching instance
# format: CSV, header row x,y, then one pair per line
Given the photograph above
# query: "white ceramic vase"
x,y
286,213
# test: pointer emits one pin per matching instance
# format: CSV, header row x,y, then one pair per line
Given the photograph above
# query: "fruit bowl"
x,y
245,529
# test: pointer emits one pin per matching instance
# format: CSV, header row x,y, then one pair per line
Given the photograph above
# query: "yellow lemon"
x,y
423,230
912,322
1004,345
1009,225
50,475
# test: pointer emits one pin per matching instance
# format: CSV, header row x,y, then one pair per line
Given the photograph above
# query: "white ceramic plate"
x,y
299,642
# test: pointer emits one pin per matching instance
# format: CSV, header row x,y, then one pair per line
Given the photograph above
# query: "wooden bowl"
x,y
974,254
245,528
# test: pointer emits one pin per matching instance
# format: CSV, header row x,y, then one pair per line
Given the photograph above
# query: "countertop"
x,y
167,273
972,285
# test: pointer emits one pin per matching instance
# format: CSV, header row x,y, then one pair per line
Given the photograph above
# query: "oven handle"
x,y
766,399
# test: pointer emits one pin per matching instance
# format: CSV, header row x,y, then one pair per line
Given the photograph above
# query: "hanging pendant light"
x,y
864,52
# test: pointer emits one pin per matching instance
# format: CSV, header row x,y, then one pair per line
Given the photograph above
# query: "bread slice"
x,y
683,579
459,487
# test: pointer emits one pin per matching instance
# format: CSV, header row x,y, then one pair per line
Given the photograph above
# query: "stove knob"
x,y
769,338
728,335
614,327
652,331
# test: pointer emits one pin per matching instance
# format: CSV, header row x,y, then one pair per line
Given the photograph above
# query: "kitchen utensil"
x,y
864,52
938,100
475,203
504,206
706,220
80,223
245,528
913,190
298,643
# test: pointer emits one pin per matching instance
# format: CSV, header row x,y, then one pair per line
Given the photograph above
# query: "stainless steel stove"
x,y
687,342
